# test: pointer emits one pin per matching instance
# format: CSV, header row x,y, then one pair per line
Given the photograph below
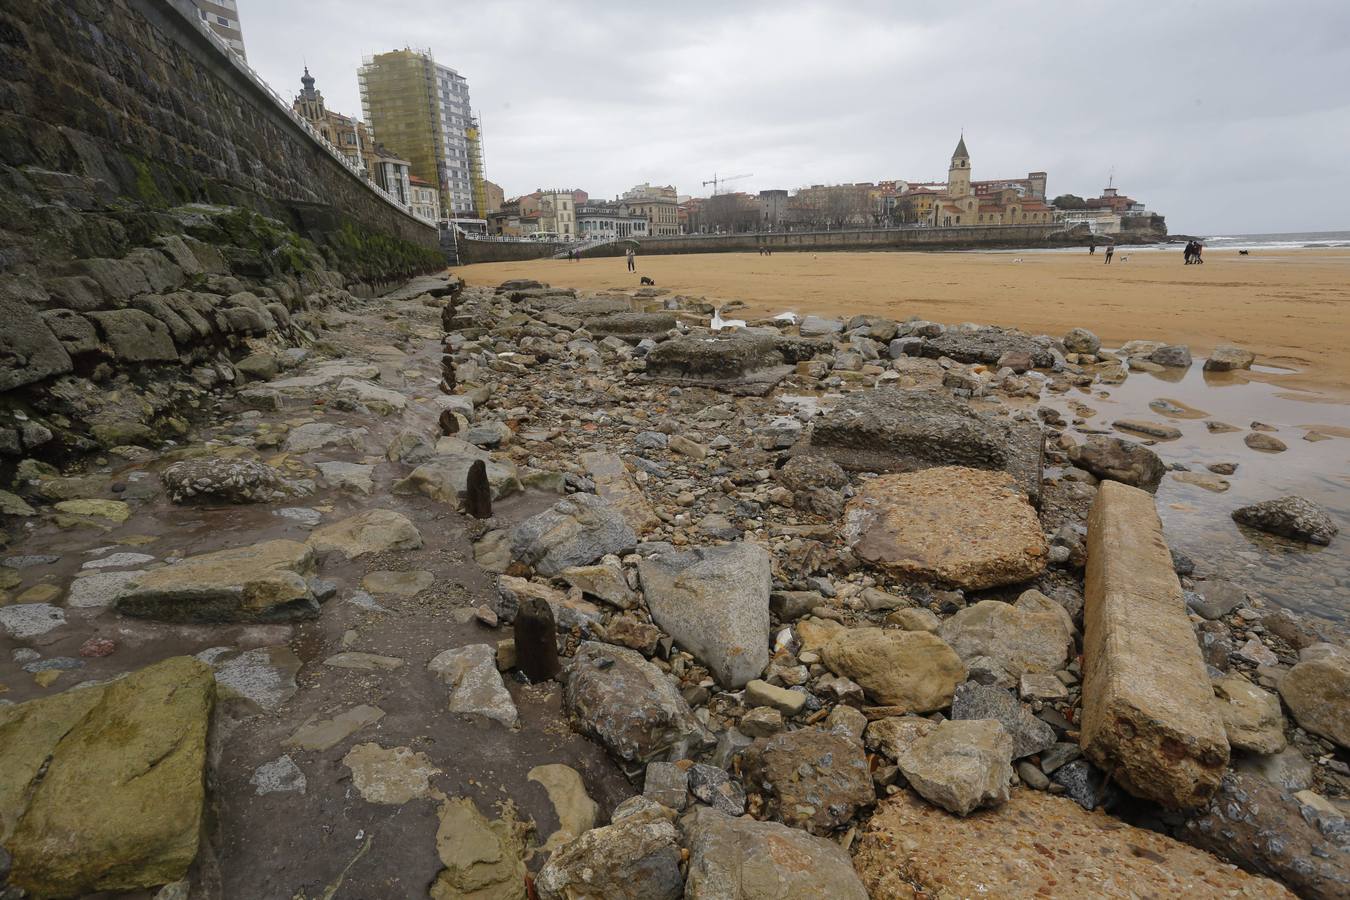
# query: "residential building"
x,y
223,17
602,220
495,197
660,204
557,212
411,102
391,173
424,199
347,134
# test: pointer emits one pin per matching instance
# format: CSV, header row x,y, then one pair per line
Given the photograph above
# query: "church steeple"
x,y
961,152
307,82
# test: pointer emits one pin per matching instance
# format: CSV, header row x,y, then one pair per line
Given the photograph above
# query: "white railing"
x,y
357,170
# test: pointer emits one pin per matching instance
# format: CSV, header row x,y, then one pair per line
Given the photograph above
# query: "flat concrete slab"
x,y
1149,716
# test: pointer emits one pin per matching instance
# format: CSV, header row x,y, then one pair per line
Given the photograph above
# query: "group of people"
x,y
765,251
1192,253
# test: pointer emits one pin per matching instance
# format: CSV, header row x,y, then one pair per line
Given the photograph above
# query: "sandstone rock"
x,y
1172,356
1119,460
568,612
446,477
635,857
111,510
809,778
1292,517
764,721
1226,357
482,859
960,766
912,670
1216,599
262,583
1266,443
761,693
963,527
103,789
1008,640
317,435
714,601
373,531
1036,845
627,704
575,810
1317,692
215,479
1148,714
347,476
575,531
614,485
390,775
323,734
890,430
892,735
366,392
1251,716
476,687
742,859
604,580
977,701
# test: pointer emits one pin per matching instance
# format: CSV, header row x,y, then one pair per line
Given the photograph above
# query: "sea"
x,y
1293,240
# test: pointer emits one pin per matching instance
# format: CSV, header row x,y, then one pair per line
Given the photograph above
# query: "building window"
x,y
223,21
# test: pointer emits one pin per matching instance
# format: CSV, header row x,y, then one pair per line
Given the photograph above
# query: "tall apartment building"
x,y
223,17
411,102
660,204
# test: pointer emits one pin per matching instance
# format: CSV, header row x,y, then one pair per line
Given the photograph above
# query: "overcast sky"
x,y
1226,116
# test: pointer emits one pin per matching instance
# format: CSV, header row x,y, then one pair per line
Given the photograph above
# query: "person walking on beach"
x,y
1196,253
632,260
1110,252
1092,249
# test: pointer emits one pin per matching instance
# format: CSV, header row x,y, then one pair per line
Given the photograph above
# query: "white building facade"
x,y
452,101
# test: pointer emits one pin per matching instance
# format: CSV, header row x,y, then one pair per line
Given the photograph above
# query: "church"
x,y
962,202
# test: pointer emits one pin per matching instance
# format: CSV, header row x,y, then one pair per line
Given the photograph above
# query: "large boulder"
x,y
1036,845
741,363
961,766
575,531
135,336
1254,824
988,345
216,479
742,859
1118,459
968,528
1008,640
894,430
1292,517
373,531
627,704
637,857
1317,692
912,670
1080,340
1149,716
714,601
446,477
809,778
1226,357
265,582
29,351
103,788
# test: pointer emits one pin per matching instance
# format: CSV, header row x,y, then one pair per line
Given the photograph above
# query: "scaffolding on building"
x,y
476,182
398,102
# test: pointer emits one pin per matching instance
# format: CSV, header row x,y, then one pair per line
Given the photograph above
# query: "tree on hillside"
x,y
1069,201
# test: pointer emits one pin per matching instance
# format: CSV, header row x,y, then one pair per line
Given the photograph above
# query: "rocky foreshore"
x,y
498,593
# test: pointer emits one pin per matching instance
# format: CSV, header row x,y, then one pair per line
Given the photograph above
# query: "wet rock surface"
x,y
676,503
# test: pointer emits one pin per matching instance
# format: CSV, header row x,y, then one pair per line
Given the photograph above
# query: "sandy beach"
x,y
1291,307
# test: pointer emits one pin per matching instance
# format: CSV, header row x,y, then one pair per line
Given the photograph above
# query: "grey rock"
x,y
29,351
278,776
1080,340
1083,783
27,620
1292,517
667,784
628,704
1173,356
575,531
1119,460
714,601
960,766
811,779
1216,598
977,701
741,363
742,859
634,858
476,687
135,336
714,787
987,346
215,479
894,430
1225,358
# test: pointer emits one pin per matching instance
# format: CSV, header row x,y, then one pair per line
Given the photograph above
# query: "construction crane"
x,y
716,180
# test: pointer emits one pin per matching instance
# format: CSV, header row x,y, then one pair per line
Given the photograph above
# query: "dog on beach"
x,y
1243,253
1018,260
1124,260
647,281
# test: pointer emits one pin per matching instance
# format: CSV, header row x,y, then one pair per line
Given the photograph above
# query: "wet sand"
x,y
1291,307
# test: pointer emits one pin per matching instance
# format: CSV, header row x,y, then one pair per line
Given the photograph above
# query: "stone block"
x,y
29,351
1149,716
135,336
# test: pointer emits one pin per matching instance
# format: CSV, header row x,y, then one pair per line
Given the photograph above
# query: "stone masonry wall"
x,y
131,97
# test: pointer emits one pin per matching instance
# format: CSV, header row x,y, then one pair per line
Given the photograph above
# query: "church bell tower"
x,y
958,173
